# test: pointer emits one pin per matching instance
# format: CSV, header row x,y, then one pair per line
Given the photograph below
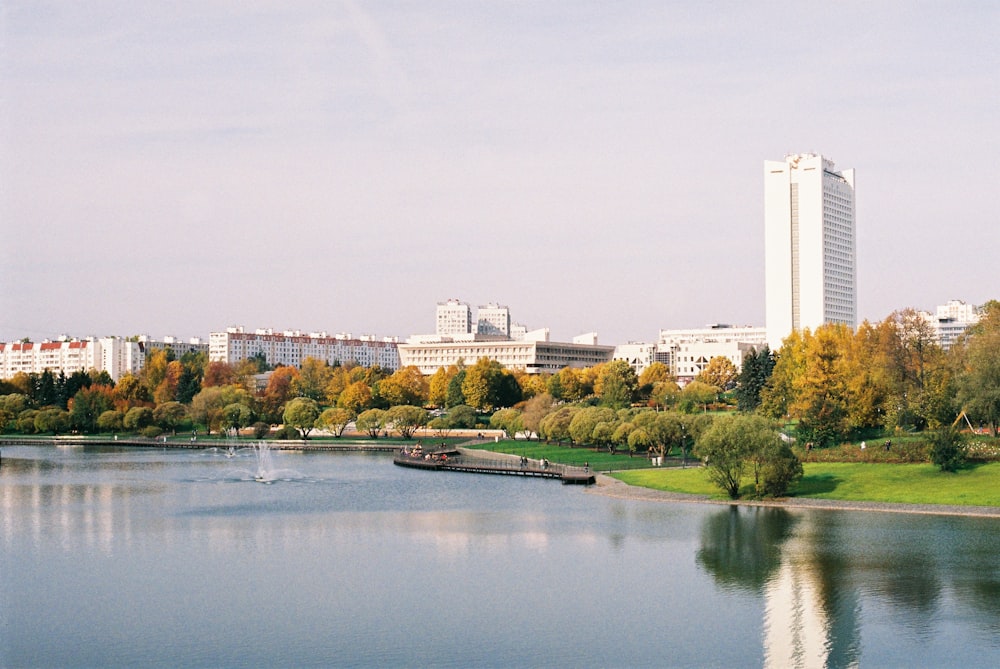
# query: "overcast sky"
x,y
174,168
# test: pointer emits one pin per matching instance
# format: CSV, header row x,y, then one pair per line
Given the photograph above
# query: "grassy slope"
x,y
898,483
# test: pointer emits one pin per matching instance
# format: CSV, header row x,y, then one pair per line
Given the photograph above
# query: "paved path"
x,y
612,487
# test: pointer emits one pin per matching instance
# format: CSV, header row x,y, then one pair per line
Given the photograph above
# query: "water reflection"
x,y
821,573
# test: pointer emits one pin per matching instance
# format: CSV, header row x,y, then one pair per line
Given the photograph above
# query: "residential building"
x,y
639,355
291,347
810,245
951,320
453,318
493,319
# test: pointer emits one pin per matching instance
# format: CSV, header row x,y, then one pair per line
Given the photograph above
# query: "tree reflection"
x,y
741,547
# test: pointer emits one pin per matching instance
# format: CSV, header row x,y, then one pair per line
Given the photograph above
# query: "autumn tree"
x,y
978,369
508,420
313,377
335,420
534,410
356,397
821,402
405,386
280,389
720,372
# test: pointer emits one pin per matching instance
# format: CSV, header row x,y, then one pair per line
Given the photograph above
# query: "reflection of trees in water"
x,y
741,547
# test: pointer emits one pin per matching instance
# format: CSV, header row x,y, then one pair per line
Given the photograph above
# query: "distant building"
x,y
951,321
115,355
532,356
291,347
809,244
453,318
493,319
638,355
688,352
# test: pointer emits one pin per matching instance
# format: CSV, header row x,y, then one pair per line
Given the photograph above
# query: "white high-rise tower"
x,y
809,245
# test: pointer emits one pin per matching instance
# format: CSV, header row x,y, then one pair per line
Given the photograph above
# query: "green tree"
x,y
978,375
87,406
236,416
555,425
455,396
758,364
111,421
617,384
137,418
406,419
52,419
312,380
371,421
462,417
696,396
488,386
508,420
301,413
948,449
169,415
581,427
725,452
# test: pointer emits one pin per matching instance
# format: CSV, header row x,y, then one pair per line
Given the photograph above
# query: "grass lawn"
x,y
601,461
854,481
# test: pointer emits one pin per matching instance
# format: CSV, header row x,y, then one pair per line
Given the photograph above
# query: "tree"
x,y
555,425
356,397
696,396
455,396
169,415
462,417
371,421
111,421
725,454
721,373
617,384
88,404
52,419
335,420
508,420
236,416
301,413
280,389
581,427
758,364
437,391
948,449
488,386
978,369
218,374
534,410
821,391
312,380
137,418
405,386
406,419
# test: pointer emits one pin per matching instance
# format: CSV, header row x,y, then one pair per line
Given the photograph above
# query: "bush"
x,y
151,432
948,449
287,432
260,430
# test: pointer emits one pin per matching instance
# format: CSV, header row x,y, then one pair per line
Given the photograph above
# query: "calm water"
x,y
180,559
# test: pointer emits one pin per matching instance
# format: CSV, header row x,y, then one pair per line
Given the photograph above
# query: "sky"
x,y
179,168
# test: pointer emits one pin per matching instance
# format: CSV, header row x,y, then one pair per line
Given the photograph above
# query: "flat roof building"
x,y
809,245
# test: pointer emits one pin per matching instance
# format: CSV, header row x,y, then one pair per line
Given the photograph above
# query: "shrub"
x,y
151,432
948,449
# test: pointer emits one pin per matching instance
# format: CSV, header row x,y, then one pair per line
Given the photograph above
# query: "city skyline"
x,y
178,169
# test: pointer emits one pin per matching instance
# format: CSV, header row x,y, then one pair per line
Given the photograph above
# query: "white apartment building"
x,y
687,352
291,347
532,356
493,319
453,318
638,355
810,245
951,320
115,355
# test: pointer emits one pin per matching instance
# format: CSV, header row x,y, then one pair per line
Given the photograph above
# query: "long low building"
x,y
291,347
530,356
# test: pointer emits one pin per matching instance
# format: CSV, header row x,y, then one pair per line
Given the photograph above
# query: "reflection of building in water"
x,y
809,621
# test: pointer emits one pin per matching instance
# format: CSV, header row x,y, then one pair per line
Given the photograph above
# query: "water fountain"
x,y
265,466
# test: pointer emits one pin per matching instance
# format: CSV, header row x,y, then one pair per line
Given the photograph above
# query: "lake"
x,y
180,558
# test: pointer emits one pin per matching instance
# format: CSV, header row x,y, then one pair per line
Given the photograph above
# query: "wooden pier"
x,y
459,461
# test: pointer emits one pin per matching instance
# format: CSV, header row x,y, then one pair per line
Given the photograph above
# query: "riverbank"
x,y
612,487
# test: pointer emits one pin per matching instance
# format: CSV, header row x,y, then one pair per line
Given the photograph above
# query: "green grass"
x,y
853,481
601,461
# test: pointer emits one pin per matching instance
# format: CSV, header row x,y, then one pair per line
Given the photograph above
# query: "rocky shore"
x,y
612,487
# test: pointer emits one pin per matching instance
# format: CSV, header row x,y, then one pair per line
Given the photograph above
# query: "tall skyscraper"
x,y
809,240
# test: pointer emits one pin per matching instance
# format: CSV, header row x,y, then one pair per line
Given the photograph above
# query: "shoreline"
x,y
611,487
